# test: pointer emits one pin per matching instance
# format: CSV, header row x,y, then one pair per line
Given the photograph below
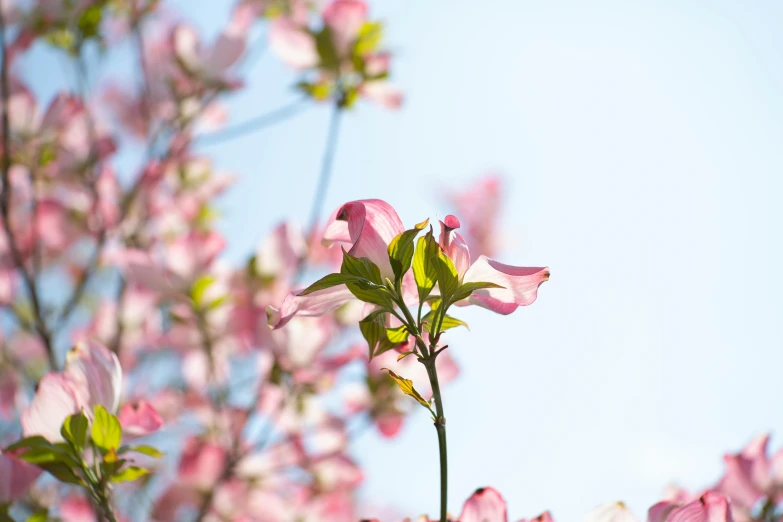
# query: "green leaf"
x,y
147,450
403,355
464,291
90,21
406,385
423,269
369,39
361,267
448,280
36,441
397,335
373,329
106,429
401,250
320,91
199,287
384,346
333,280
74,429
62,472
324,44
369,287
129,474
448,322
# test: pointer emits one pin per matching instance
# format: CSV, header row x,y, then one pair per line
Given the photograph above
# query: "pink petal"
x,y
748,474
345,18
56,398
372,224
231,44
16,477
710,507
140,418
454,245
311,305
92,365
611,512
383,93
485,505
292,44
520,285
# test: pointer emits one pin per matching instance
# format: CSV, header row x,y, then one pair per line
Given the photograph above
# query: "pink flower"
x,y
213,63
16,477
370,225
293,44
751,475
485,505
57,397
345,18
92,366
519,284
139,418
710,507
92,376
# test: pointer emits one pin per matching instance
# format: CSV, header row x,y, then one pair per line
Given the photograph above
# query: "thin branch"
x,y
5,204
252,125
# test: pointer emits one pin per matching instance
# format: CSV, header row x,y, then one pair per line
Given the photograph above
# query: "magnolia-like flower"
x,y
92,376
369,226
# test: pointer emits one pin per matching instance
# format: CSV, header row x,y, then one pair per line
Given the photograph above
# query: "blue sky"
x,y
641,146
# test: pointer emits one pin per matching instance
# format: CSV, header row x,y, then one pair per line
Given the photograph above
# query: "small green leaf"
x,y
324,44
62,472
147,450
129,474
74,429
401,250
373,330
369,287
464,291
403,355
199,287
423,269
397,335
448,322
330,281
369,38
36,441
448,280
4,516
320,91
106,430
406,385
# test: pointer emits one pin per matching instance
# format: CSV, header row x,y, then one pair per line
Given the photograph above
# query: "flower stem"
x,y
440,426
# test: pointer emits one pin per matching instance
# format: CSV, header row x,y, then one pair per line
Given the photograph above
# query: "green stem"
x,y
440,426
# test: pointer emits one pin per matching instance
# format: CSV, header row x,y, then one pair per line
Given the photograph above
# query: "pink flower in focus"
x,y
370,225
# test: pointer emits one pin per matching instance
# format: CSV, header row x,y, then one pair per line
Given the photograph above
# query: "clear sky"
x,y
641,143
